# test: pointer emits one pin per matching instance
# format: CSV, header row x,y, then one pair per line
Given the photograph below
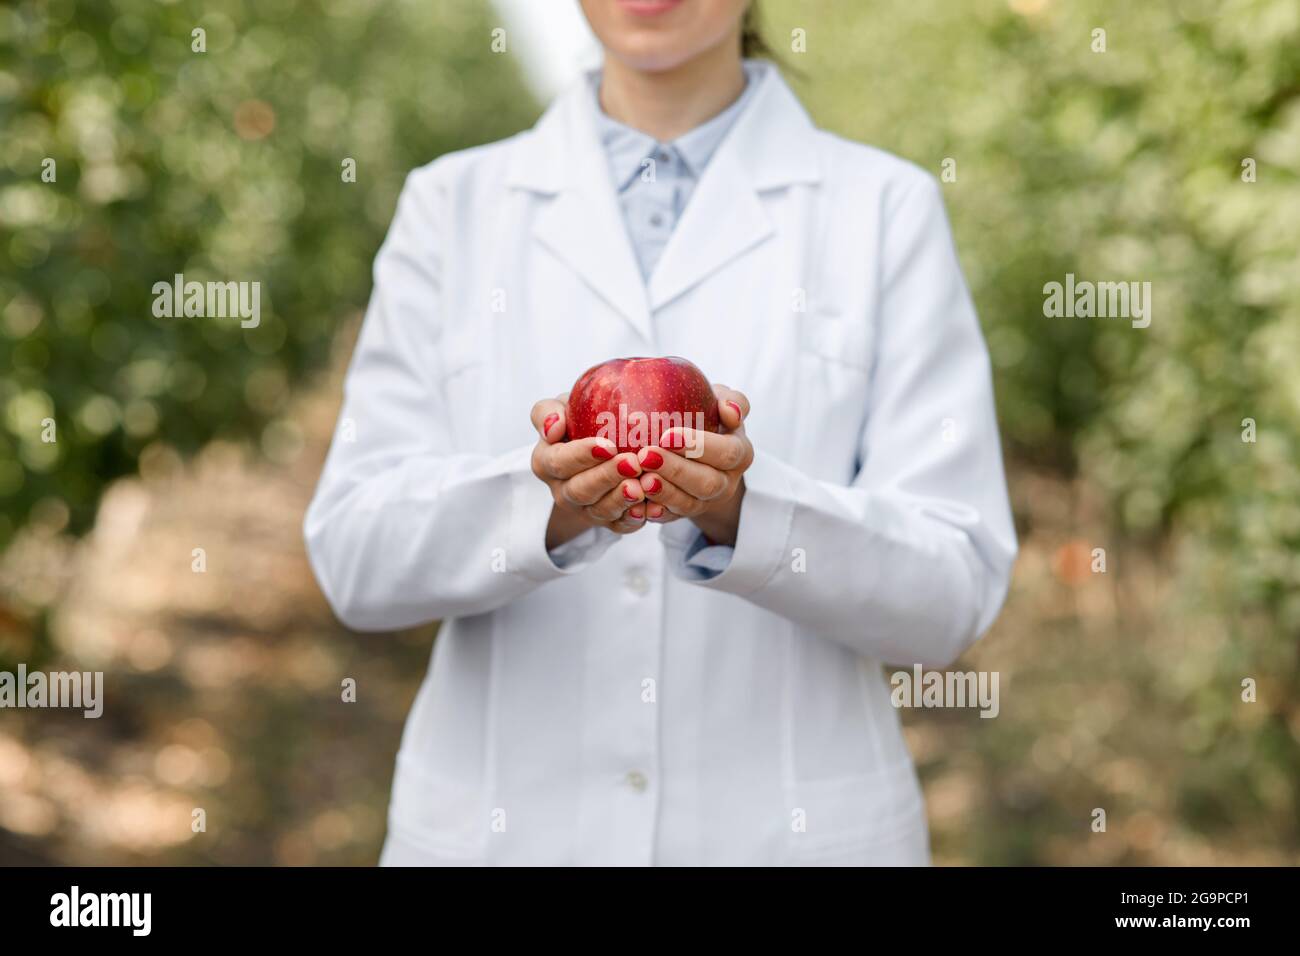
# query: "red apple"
x,y
633,401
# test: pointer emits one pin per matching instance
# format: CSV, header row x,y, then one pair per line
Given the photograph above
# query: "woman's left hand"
x,y
700,475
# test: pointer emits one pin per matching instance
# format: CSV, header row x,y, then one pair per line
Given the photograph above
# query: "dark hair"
x,y
752,43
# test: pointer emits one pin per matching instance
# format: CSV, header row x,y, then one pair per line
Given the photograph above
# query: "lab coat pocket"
x,y
437,813
836,339
870,819
834,378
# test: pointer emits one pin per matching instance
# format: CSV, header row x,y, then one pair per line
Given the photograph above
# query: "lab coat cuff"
x,y
530,513
762,538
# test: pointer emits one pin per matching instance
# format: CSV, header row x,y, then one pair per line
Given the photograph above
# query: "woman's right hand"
x,y
591,485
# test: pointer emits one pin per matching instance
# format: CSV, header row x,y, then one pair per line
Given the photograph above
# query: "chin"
x,y
652,53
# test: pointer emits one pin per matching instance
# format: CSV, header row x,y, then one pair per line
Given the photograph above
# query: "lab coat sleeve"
x,y
910,562
403,529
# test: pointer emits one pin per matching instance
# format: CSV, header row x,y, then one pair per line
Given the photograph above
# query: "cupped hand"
x,y
700,475
591,484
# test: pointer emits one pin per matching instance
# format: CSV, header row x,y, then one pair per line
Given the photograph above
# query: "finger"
x,y
724,452
563,460
698,480
548,417
733,406
632,520
612,505
674,499
589,486
658,514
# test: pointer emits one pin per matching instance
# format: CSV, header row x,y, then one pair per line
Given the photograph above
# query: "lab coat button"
x,y
637,781
637,582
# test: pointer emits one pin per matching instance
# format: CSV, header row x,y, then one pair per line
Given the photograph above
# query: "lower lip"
x,y
648,8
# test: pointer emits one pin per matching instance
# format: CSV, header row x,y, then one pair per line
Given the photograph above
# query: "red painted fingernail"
x,y
655,485
737,408
626,468
601,453
636,513
651,459
628,495
551,419
655,511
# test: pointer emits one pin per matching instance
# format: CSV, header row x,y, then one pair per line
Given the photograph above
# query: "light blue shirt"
x,y
654,180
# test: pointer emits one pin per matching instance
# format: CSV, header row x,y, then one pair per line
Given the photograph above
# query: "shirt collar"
x,y
773,143
627,147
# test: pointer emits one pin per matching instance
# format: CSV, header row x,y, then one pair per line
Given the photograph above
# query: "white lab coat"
x,y
614,711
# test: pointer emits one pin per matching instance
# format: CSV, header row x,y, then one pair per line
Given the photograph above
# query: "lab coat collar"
x,y
769,147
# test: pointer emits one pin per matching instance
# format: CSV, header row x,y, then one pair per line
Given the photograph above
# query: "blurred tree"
x,y
1147,142
145,139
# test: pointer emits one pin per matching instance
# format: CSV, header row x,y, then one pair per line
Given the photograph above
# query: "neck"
x,y
672,102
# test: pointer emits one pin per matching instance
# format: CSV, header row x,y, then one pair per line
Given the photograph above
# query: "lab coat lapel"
x,y
771,146
723,219
582,223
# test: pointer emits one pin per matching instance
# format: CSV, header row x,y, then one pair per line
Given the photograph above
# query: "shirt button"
x,y
636,780
637,582
656,220
664,157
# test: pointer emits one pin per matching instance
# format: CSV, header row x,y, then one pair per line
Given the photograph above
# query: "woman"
x,y
652,658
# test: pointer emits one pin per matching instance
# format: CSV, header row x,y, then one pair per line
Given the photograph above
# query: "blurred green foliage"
x,y
1130,164
221,165
1122,165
